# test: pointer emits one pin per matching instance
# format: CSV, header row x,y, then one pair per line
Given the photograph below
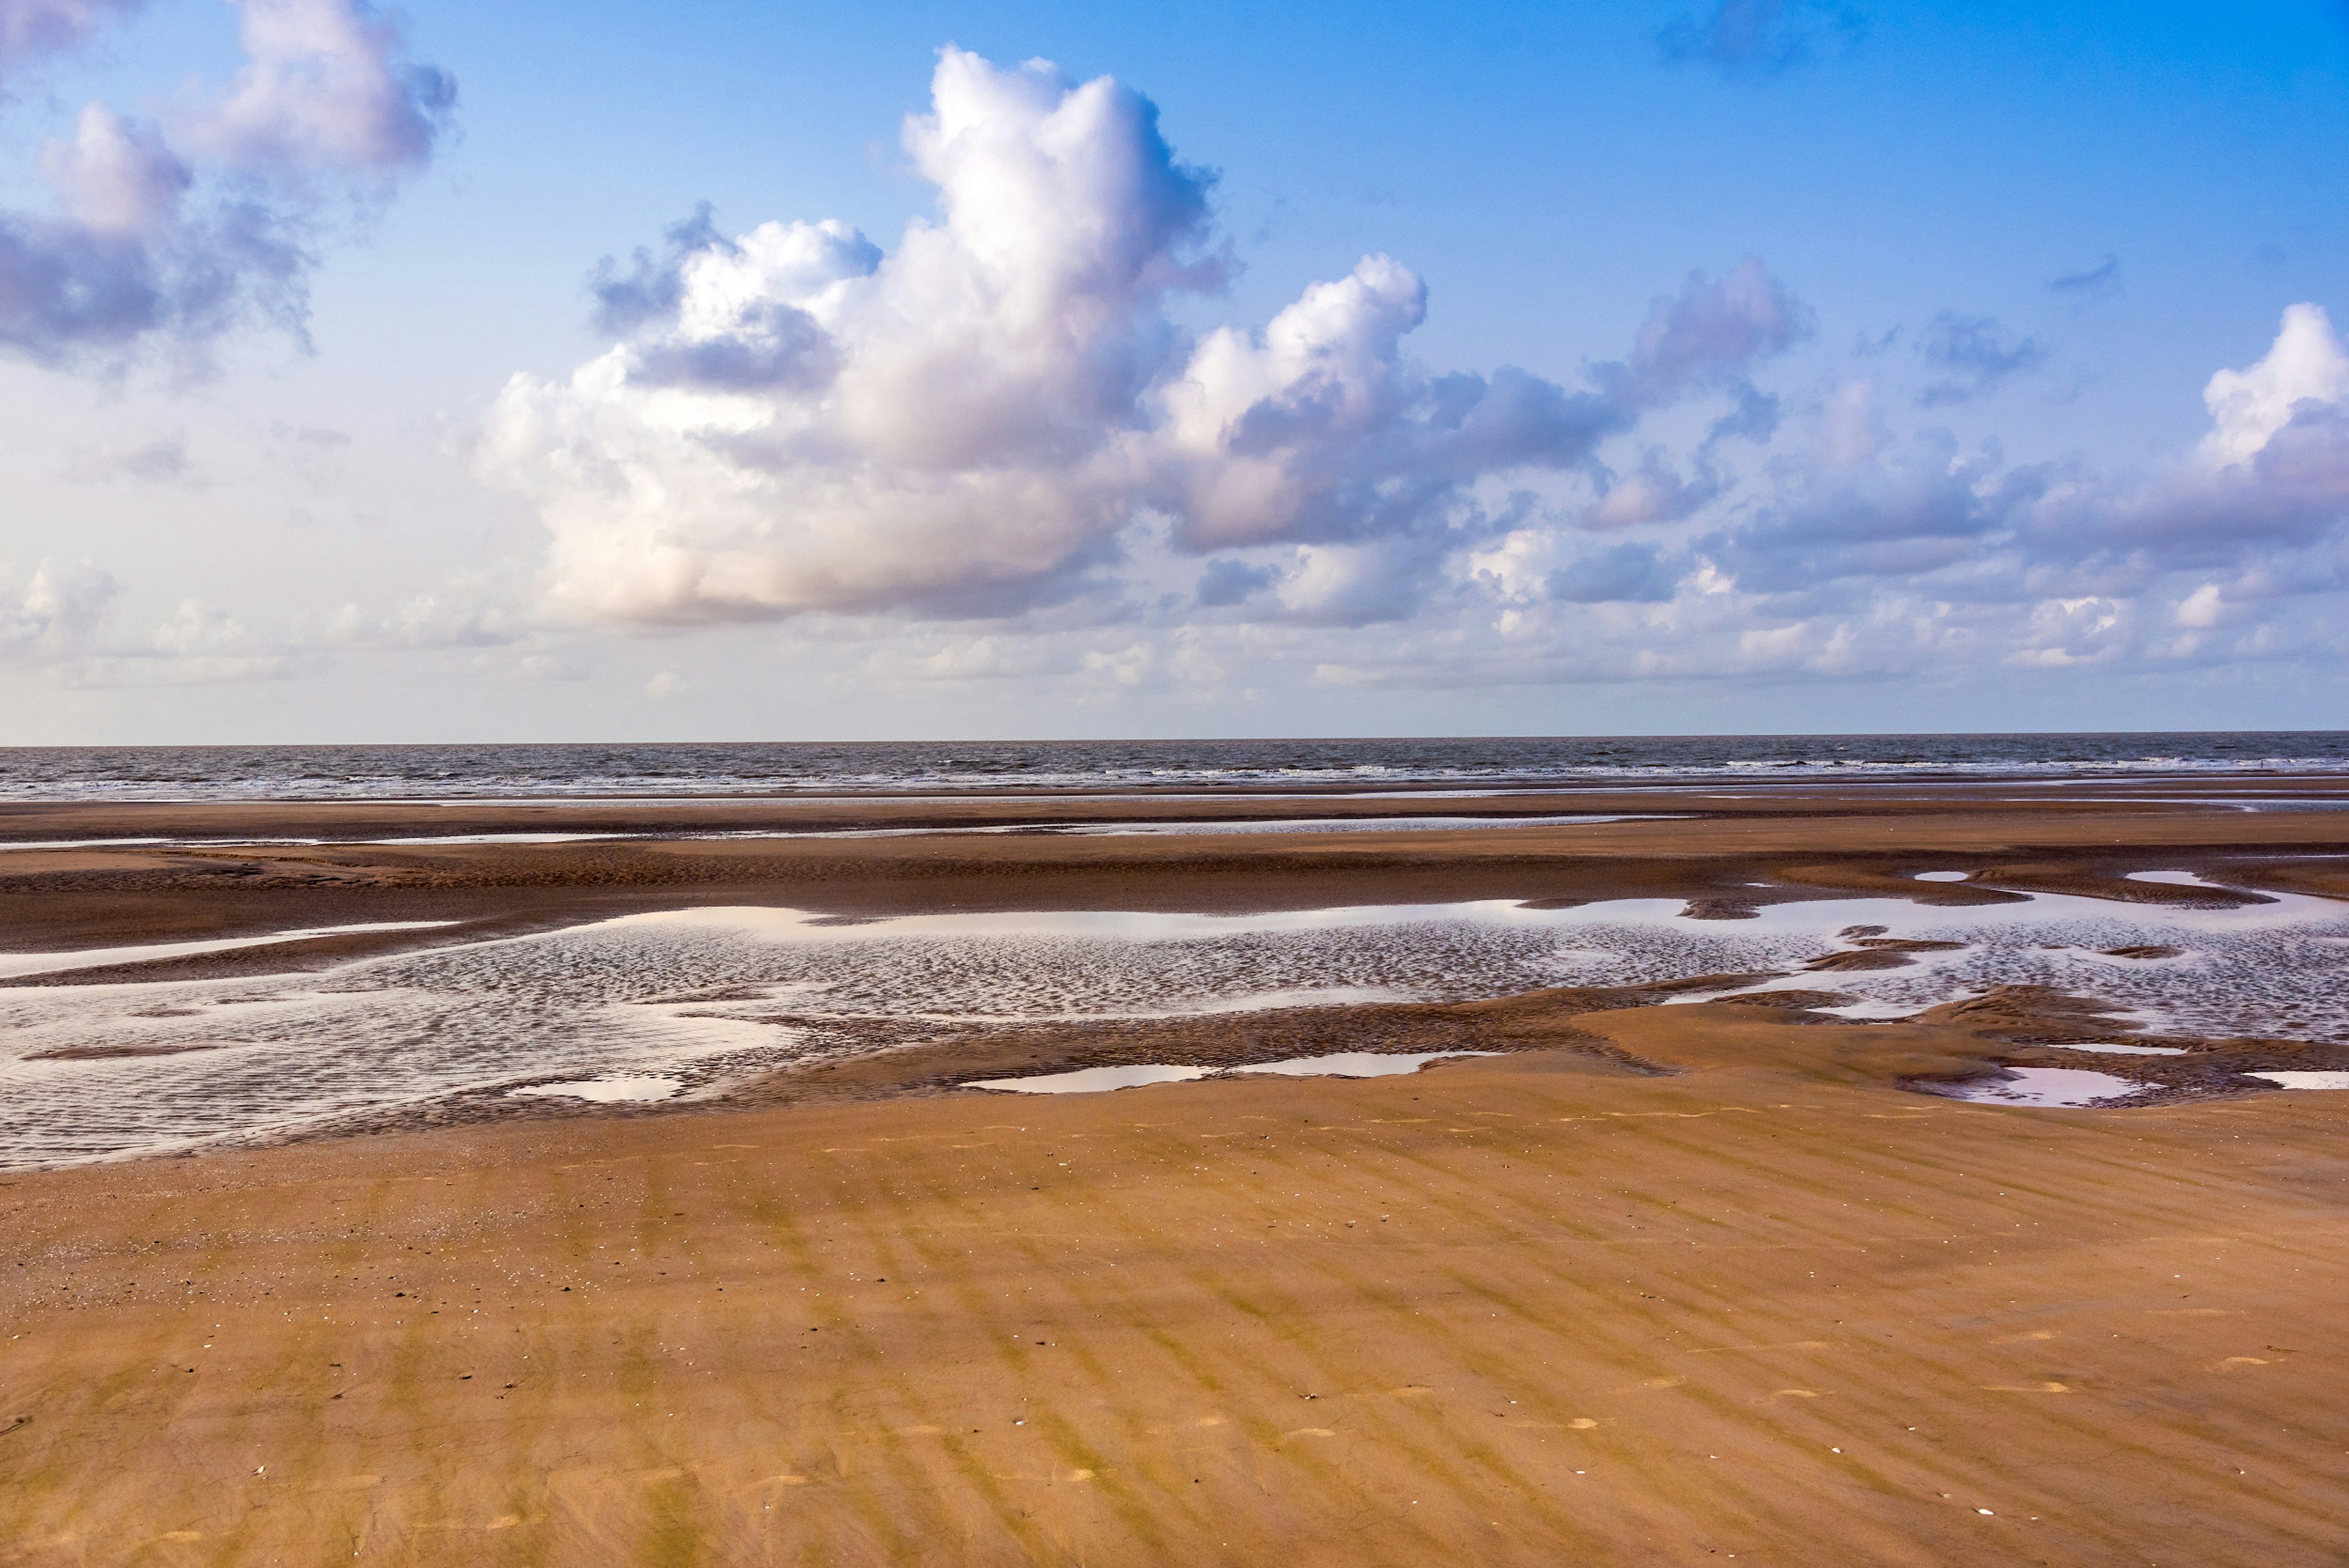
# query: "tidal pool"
x,y
610,1089
20,965
1358,1064
709,997
1091,1080
2072,1087
2305,1079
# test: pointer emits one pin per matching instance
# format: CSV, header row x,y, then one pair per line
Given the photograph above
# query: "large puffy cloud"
x,y
1000,417
793,420
140,253
1319,430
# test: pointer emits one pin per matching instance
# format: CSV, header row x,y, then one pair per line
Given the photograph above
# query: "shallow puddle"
x,y
1337,1064
2072,1087
1358,1064
1091,1080
1356,824
610,1089
2305,1079
21,965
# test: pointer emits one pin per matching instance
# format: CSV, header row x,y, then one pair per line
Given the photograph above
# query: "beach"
x,y
1690,1266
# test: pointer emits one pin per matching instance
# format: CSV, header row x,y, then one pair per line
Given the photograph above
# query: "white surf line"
x,y
16,965
315,843
1076,829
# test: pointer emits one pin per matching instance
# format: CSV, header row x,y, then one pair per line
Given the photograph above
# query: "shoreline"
x,y
1860,838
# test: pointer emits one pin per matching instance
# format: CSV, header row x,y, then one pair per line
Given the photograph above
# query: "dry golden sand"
x,y
1537,1309
1519,1311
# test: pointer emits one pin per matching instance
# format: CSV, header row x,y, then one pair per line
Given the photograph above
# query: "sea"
x,y
820,768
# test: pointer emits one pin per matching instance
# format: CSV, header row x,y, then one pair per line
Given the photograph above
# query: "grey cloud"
x,y
1711,333
775,345
2099,282
2265,503
30,29
1380,452
1759,37
1625,573
324,89
766,344
69,294
157,461
2293,494
162,249
1377,584
1402,474
655,282
63,288
1975,356
1654,492
1226,582
1756,418
56,611
1924,509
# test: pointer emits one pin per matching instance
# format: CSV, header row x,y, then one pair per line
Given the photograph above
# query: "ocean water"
x,y
449,772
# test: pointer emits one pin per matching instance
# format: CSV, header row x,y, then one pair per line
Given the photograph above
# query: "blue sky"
x,y
1969,271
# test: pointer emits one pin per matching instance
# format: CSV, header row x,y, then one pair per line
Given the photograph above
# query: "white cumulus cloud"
x,y
792,419
56,611
2306,369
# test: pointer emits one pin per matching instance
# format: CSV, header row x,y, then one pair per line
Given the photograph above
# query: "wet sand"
x,y
1711,846
1662,1285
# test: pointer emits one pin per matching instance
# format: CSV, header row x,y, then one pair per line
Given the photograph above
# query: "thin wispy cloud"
x,y
2099,282
1760,37
1971,355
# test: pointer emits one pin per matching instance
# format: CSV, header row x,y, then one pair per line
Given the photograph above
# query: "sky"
x,y
618,371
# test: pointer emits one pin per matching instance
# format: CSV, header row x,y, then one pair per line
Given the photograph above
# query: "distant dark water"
x,y
406,772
